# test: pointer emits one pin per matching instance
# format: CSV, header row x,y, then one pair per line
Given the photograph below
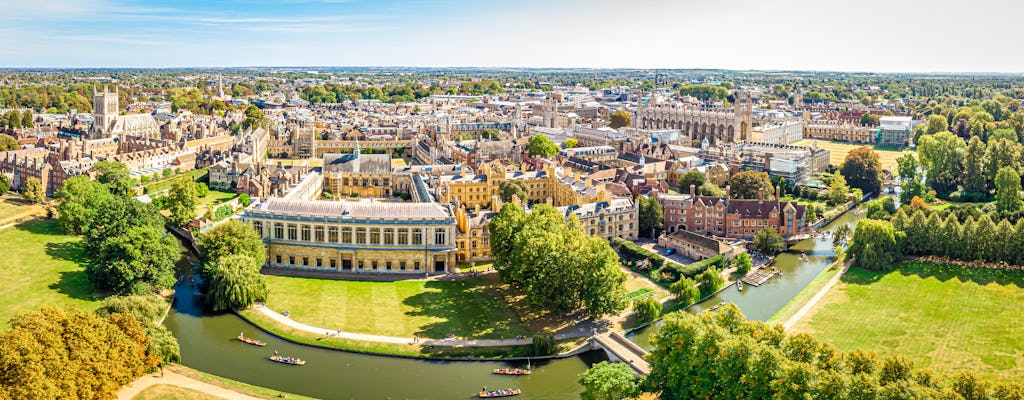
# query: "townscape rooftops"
x,y
363,209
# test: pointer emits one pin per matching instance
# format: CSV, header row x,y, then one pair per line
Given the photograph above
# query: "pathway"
x,y
814,300
625,350
174,379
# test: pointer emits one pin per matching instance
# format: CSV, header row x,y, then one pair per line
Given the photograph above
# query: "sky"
x,y
862,35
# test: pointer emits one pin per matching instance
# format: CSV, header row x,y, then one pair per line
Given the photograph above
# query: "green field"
x,y
942,317
468,308
212,198
41,268
839,150
13,208
168,392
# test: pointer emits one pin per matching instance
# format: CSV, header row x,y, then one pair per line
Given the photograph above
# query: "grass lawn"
x,y
215,196
479,266
41,268
244,388
839,150
469,308
942,317
168,392
13,208
805,295
157,187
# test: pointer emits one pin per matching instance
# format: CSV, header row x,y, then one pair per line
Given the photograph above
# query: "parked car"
x,y
670,252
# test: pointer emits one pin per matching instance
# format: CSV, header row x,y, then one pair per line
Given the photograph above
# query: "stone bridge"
x,y
619,348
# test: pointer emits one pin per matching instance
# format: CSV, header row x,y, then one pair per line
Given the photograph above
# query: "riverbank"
x,y
199,382
821,283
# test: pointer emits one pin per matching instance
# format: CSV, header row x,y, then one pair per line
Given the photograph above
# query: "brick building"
x,y
728,217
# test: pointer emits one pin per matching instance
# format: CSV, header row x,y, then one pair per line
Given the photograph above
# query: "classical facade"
x,y
548,185
473,239
356,236
363,175
851,133
728,217
697,124
608,220
778,132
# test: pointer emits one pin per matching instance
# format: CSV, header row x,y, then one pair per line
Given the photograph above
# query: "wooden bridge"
x,y
619,348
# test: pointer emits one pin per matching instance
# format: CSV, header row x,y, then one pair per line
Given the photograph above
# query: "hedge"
x,y
692,270
633,252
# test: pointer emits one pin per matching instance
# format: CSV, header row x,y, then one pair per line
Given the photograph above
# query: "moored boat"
x,y
510,371
488,394
287,360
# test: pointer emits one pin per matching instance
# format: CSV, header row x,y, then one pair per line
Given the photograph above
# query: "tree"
x,y
652,217
202,190
742,263
570,143
936,124
8,143
609,381
974,167
870,120
27,120
1001,153
691,178
942,156
863,170
235,282
139,261
838,192
232,237
559,267
181,202
811,213
710,189
619,119
841,235
1008,190
768,241
704,92
244,199
750,184
710,281
508,188
911,180
13,119
646,310
146,309
57,353
540,146
115,175
5,185
490,133
685,290
33,190
875,245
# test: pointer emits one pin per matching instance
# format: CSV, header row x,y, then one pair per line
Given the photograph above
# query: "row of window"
x,y
349,235
333,264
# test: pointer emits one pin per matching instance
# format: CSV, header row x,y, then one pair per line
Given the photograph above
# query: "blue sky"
x,y
866,35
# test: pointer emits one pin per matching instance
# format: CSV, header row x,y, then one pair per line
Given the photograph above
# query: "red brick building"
x,y
727,217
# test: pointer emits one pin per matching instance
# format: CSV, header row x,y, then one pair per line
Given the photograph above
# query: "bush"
x,y
646,310
685,290
694,269
634,253
710,281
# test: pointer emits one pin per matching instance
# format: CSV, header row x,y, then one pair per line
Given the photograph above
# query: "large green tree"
x,y
863,170
508,188
911,180
559,267
115,175
974,167
609,381
57,353
691,178
181,201
620,119
81,200
874,245
652,217
32,190
704,92
139,261
768,241
540,146
942,156
646,310
1008,190
232,237
750,184
235,282
8,143
685,290
838,191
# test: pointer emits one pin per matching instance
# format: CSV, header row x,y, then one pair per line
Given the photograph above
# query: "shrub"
x,y
633,252
646,310
710,281
544,344
694,269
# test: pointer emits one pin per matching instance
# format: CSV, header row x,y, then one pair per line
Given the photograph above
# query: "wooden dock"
x,y
759,277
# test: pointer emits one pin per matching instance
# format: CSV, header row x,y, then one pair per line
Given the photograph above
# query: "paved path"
x,y
814,300
625,350
173,379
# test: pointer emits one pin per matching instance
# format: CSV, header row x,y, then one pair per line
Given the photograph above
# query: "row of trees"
x,y
723,356
951,163
16,119
559,267
981,239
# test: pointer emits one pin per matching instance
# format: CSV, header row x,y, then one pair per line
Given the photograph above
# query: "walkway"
x,y
814,300
174,379
624,350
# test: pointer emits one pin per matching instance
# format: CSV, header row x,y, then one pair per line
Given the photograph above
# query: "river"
x,y
207,345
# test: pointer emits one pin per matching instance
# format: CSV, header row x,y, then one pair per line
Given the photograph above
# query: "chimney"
x,y
760,193
693,190
778,193
728,192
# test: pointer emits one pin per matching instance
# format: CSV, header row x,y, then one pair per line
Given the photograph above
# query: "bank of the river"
x,y
807,294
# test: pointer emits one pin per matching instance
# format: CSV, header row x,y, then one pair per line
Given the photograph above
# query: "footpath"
x,y
174,379
814,300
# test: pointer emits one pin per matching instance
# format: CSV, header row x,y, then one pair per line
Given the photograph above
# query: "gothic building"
x,y
107,121
697,124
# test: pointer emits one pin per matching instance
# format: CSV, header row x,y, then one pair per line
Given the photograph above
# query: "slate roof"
x,y
362,163
364,209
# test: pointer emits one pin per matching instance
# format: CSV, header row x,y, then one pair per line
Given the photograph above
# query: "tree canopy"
x,y
768,241
232,237
749,184
560,268
620,119
609,381
863,170
82,200
874,245
138,261
235,282
540,146
32,190
509,187
691,178
652,217
181,201
704,92
8,143
1008,190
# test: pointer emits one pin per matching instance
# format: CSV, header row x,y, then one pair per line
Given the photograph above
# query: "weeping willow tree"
x,y
235,282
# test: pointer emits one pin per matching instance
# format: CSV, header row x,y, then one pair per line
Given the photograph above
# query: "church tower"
x,y
550,111
744,114
104,111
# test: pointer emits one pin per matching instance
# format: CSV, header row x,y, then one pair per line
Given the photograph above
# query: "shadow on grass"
x,y
467,308
939,271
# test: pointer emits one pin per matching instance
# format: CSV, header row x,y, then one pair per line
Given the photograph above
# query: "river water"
x,y
207,345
